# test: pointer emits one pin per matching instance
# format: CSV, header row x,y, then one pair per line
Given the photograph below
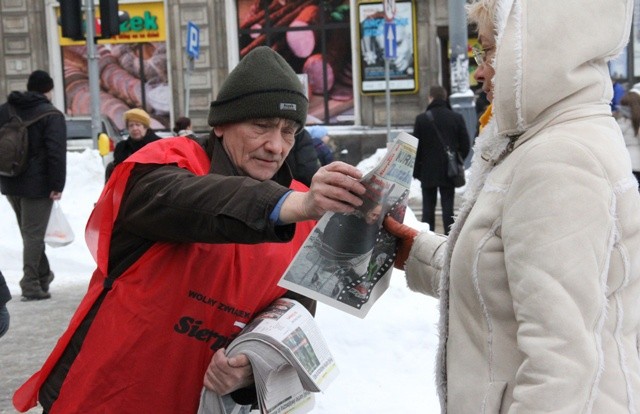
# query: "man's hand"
x,y
225,375
55,195
405,235
335,187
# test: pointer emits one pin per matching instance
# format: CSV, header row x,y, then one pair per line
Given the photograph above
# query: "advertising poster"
x,y
402,68
314,38
132,65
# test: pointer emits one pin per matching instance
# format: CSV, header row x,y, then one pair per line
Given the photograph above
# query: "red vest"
x,y
158,327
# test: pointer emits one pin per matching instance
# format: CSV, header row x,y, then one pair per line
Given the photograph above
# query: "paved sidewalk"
x,y
35,328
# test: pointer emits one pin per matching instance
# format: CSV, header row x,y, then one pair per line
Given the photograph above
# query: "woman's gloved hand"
x,y
405,235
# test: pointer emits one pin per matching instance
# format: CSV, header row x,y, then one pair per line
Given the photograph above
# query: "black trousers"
x,y
33,217
429,200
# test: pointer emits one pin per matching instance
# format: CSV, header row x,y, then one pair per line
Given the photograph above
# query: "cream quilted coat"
x,y
539,281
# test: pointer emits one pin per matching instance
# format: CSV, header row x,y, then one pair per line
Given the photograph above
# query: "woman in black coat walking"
x,y
431,159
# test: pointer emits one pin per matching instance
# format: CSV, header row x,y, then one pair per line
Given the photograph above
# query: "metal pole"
x,y
462,98
387,97
94,75
187,86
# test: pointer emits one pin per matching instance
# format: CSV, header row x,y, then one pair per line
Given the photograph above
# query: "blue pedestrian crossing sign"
x,y
193,40
390,42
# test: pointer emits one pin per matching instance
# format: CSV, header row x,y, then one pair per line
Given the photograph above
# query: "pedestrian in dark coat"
x,y
31,194
431,159
138,124
140,134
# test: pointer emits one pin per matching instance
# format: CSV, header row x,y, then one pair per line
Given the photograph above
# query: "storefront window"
x,y
133,68
314,37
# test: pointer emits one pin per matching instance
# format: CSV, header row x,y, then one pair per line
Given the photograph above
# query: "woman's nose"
x,y
479,74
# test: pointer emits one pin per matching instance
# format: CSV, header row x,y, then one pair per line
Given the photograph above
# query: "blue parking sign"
x,y
193,40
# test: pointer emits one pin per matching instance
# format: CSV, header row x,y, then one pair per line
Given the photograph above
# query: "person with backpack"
x,y
31,193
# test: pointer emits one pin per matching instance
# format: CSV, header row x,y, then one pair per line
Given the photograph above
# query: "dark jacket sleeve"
x,y
303,158
168,203
55,141
120,152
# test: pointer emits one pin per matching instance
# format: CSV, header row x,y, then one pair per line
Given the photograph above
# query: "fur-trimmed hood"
x,y
551,57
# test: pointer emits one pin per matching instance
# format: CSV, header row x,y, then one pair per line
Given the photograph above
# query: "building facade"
x,y
337,47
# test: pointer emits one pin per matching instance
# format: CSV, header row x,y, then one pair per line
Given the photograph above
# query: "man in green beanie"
x,y
190,241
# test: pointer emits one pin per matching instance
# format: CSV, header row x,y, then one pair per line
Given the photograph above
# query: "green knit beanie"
x,y
263,85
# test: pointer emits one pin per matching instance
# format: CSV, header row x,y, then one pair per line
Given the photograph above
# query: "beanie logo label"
x,y
288,107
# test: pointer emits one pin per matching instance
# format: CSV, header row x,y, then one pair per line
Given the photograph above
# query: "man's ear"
x,y
219,130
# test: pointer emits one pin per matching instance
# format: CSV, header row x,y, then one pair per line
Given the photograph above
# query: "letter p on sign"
x,y
193,40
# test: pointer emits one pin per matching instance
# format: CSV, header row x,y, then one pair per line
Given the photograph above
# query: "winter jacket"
x,y
431,160
632,141
47,168
127,147
325,154
303,159
539,278
177,238
5,294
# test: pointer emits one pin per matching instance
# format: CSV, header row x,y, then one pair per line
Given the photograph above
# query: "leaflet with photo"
x,y
346,261
289,357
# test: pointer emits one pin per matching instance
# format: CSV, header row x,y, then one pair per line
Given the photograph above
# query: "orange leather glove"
x,y
405,235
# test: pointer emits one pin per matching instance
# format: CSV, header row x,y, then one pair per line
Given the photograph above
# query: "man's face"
x,y
136,130
373,215
258,147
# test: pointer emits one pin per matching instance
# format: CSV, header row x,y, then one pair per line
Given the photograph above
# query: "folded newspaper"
x,y
346,261
289,358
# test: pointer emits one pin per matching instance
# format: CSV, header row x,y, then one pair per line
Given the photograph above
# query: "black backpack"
x,y
14,143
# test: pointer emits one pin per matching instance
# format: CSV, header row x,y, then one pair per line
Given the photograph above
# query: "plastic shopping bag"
x,y
59,231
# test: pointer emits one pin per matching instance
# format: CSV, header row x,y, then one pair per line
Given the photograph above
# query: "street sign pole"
x,y
387,97
94,73
187,86
193,52
389,7
461,98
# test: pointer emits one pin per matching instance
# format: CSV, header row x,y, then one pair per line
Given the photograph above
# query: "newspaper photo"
x,y
347,259
290,361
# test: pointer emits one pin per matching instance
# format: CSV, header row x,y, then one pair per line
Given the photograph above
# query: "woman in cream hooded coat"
x,y
539,279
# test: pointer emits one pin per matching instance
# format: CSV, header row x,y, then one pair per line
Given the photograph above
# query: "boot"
x,y
35,296
45,281
31,290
